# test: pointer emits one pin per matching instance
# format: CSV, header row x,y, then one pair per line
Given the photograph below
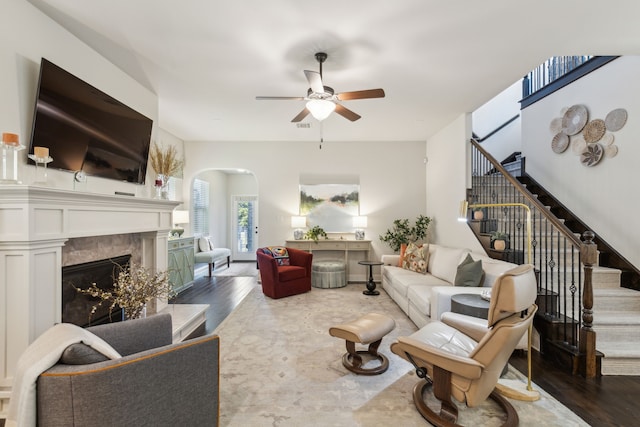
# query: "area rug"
x,y
280,367
238,269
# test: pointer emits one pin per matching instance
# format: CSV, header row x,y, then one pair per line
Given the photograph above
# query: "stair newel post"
x,y
589,255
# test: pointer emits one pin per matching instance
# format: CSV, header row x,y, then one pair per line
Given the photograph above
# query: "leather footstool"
x,y
368,329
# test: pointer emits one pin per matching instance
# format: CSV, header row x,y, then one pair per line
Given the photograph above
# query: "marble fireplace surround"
x,y
36,226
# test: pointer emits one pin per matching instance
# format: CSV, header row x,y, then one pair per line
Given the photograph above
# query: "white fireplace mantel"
x,y
35,223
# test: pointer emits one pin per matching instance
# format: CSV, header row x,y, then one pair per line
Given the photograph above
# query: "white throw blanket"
x,y
42,354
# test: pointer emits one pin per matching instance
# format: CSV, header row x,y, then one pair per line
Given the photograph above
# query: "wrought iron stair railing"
x,y
565,297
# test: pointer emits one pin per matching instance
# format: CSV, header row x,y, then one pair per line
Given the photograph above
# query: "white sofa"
x,y
426,296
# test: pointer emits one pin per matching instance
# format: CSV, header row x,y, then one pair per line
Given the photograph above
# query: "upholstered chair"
x,y
468,370
284,271
155,382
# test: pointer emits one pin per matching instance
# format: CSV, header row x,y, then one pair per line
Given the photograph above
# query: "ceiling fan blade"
x,y
361,94
315,81
346,113
301,115
295,98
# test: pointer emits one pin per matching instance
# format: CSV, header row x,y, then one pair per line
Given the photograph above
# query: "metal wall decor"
x,y
591,140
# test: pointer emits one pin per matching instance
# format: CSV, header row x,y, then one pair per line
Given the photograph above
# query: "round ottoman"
x,y
328,274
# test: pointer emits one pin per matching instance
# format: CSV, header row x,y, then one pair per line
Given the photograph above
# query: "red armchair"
x,y
280,281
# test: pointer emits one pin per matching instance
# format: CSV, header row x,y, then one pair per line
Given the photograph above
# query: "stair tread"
x,y
603,318
615,292
619,349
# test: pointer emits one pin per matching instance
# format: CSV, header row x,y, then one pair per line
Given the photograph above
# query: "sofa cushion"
x,y
291,272
492,268
469,273
81,354
416,258
279,253
420,297
444,261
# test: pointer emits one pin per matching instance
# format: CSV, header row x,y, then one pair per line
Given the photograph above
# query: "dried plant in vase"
x,y
133,287
165,161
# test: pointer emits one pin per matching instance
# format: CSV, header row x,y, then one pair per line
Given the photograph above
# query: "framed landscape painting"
x,y
331,206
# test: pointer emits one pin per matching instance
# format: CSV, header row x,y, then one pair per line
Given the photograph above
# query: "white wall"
x,y
447,182
603,194
391,175
27,35
494,114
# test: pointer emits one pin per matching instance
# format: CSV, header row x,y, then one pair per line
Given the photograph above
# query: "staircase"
x,y
616,302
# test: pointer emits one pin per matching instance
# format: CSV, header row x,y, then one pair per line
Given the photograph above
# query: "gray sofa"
x,y
155,383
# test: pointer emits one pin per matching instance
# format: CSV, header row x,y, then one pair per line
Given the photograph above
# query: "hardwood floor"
x,y
605,401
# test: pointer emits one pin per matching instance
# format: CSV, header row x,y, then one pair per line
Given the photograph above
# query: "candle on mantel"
x,y
10,138
41,152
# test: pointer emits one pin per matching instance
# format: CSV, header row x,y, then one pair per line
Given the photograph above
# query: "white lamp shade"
x,y
320,108
180,217
298,221
360,221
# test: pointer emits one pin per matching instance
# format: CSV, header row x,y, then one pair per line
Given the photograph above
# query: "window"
x,y
200,200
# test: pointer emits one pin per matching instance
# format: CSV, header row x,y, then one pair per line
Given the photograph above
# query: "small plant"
x,y
133,287
314,233
403,232
499,235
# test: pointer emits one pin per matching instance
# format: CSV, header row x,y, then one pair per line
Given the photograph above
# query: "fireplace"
x,y
76,306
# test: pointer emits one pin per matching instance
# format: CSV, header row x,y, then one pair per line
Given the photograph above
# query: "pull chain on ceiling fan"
x,y
322,100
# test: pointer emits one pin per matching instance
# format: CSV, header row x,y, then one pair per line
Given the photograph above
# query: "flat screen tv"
x,y
86,129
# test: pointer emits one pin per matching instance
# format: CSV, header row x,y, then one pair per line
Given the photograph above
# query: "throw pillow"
x,y
469,273
203,244
81,354
416,258
280,254
403,250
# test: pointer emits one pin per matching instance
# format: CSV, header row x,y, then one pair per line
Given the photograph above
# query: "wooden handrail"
x,y
566,232
496,130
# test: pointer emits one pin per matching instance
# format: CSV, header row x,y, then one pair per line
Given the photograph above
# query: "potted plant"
x,y
166,164
314,233
499,240
478,214
403,232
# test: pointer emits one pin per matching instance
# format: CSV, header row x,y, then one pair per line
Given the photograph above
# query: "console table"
x,y
340,245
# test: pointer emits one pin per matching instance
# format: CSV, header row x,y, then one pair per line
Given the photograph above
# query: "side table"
x,y
470,304
371,284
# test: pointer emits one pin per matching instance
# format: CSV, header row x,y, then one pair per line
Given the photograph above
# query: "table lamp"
x,y
298,223
360,223
179,217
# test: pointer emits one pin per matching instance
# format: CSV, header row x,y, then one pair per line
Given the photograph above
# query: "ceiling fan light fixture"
x,y
321,108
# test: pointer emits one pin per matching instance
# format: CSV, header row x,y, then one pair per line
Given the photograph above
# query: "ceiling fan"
x,y
322,100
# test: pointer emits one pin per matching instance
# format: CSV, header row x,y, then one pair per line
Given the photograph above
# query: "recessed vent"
x,y
303,125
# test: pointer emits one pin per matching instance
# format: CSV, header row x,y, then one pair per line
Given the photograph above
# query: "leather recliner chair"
x,y
468,370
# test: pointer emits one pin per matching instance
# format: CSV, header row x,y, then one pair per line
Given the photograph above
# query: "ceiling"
x,y
207,60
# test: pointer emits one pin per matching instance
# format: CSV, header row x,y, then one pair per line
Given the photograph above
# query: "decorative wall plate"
x,y
611,151
592,155
560,142
616,119
607,139
578,145
593,131
556,125
574,119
